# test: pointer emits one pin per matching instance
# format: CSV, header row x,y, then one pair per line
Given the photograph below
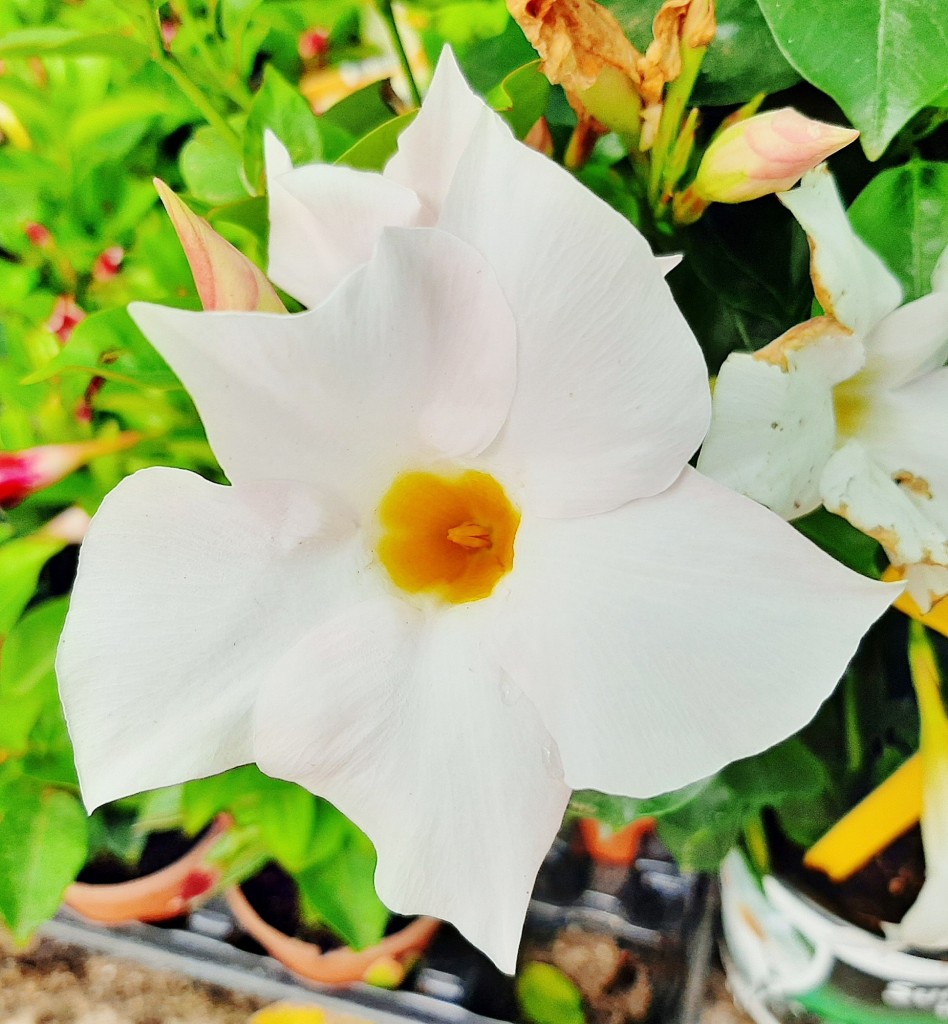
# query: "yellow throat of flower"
x,y
851,405
448,536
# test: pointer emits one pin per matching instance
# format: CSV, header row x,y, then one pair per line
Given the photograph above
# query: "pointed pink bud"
x,y
313,44
38,234
765,153
224,277
70,526
25,472
107,263
66,314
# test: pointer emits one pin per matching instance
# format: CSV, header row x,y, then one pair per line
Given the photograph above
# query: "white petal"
x,y
401,721
926,584
906,433
854,486
773,427
325,221
430,147
668,637
940,273
850,280
413,356
187,592
910,342
612,396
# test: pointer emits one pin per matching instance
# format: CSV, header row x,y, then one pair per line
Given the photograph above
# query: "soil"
x,y
60,984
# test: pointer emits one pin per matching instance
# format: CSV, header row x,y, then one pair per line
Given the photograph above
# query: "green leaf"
x,y
286,817
374,151
902,214
522,97
27,676
212,169
547,996
63,42
281,109
881,60
743,59
340,892
360,112
109,345
21,561
842,540
43,841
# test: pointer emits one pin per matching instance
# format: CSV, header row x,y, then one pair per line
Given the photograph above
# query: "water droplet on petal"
x,y
509,691
552,761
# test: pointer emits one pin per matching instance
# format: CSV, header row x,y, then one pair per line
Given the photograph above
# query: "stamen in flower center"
x,y
449,536
851,405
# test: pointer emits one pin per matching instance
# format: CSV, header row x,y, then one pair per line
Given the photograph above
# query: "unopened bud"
x,y
66,314
29,470
38,234
107,263
313,44
766,153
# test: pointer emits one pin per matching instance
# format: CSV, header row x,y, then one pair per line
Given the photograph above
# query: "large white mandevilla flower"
x,y
462,565
849,409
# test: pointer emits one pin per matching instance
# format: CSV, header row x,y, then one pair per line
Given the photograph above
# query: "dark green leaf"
x,y
374,151
881,60
842,540
903,215
522,97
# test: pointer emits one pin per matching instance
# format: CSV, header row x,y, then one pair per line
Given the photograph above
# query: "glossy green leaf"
x,y
903,215
743,60
842,540
280,108
341,893
21,562
373,152
212,169
360,112
521,97
43,838
27,676
881,60
547,996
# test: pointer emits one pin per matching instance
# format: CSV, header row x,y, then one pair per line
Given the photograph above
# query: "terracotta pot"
x,y
790,959
387,960
617,848
170,892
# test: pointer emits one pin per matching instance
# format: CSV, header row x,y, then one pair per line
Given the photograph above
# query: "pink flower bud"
x,y
313,44
766,153
29,470
107,263
66,314
38,234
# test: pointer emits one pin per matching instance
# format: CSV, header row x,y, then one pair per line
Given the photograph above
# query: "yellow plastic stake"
x,y
887,812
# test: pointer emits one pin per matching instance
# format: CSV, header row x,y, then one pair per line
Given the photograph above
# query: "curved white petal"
x,y
325,221
849,279
854,486
668,637
430,147
906,433
187,593
773,427
612,394
909,342
412,357
400,720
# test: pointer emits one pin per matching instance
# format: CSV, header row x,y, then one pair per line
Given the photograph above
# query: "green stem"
x,y
169,64
385,9
756,841
676,99
854,747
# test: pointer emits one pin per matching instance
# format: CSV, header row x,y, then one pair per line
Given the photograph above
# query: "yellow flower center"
x,y
851,405
452,537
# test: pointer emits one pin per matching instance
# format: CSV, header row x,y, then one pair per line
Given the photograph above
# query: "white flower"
x,y
462,565
849,409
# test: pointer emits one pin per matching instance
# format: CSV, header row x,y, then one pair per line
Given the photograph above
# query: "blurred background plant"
x,y
98,97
